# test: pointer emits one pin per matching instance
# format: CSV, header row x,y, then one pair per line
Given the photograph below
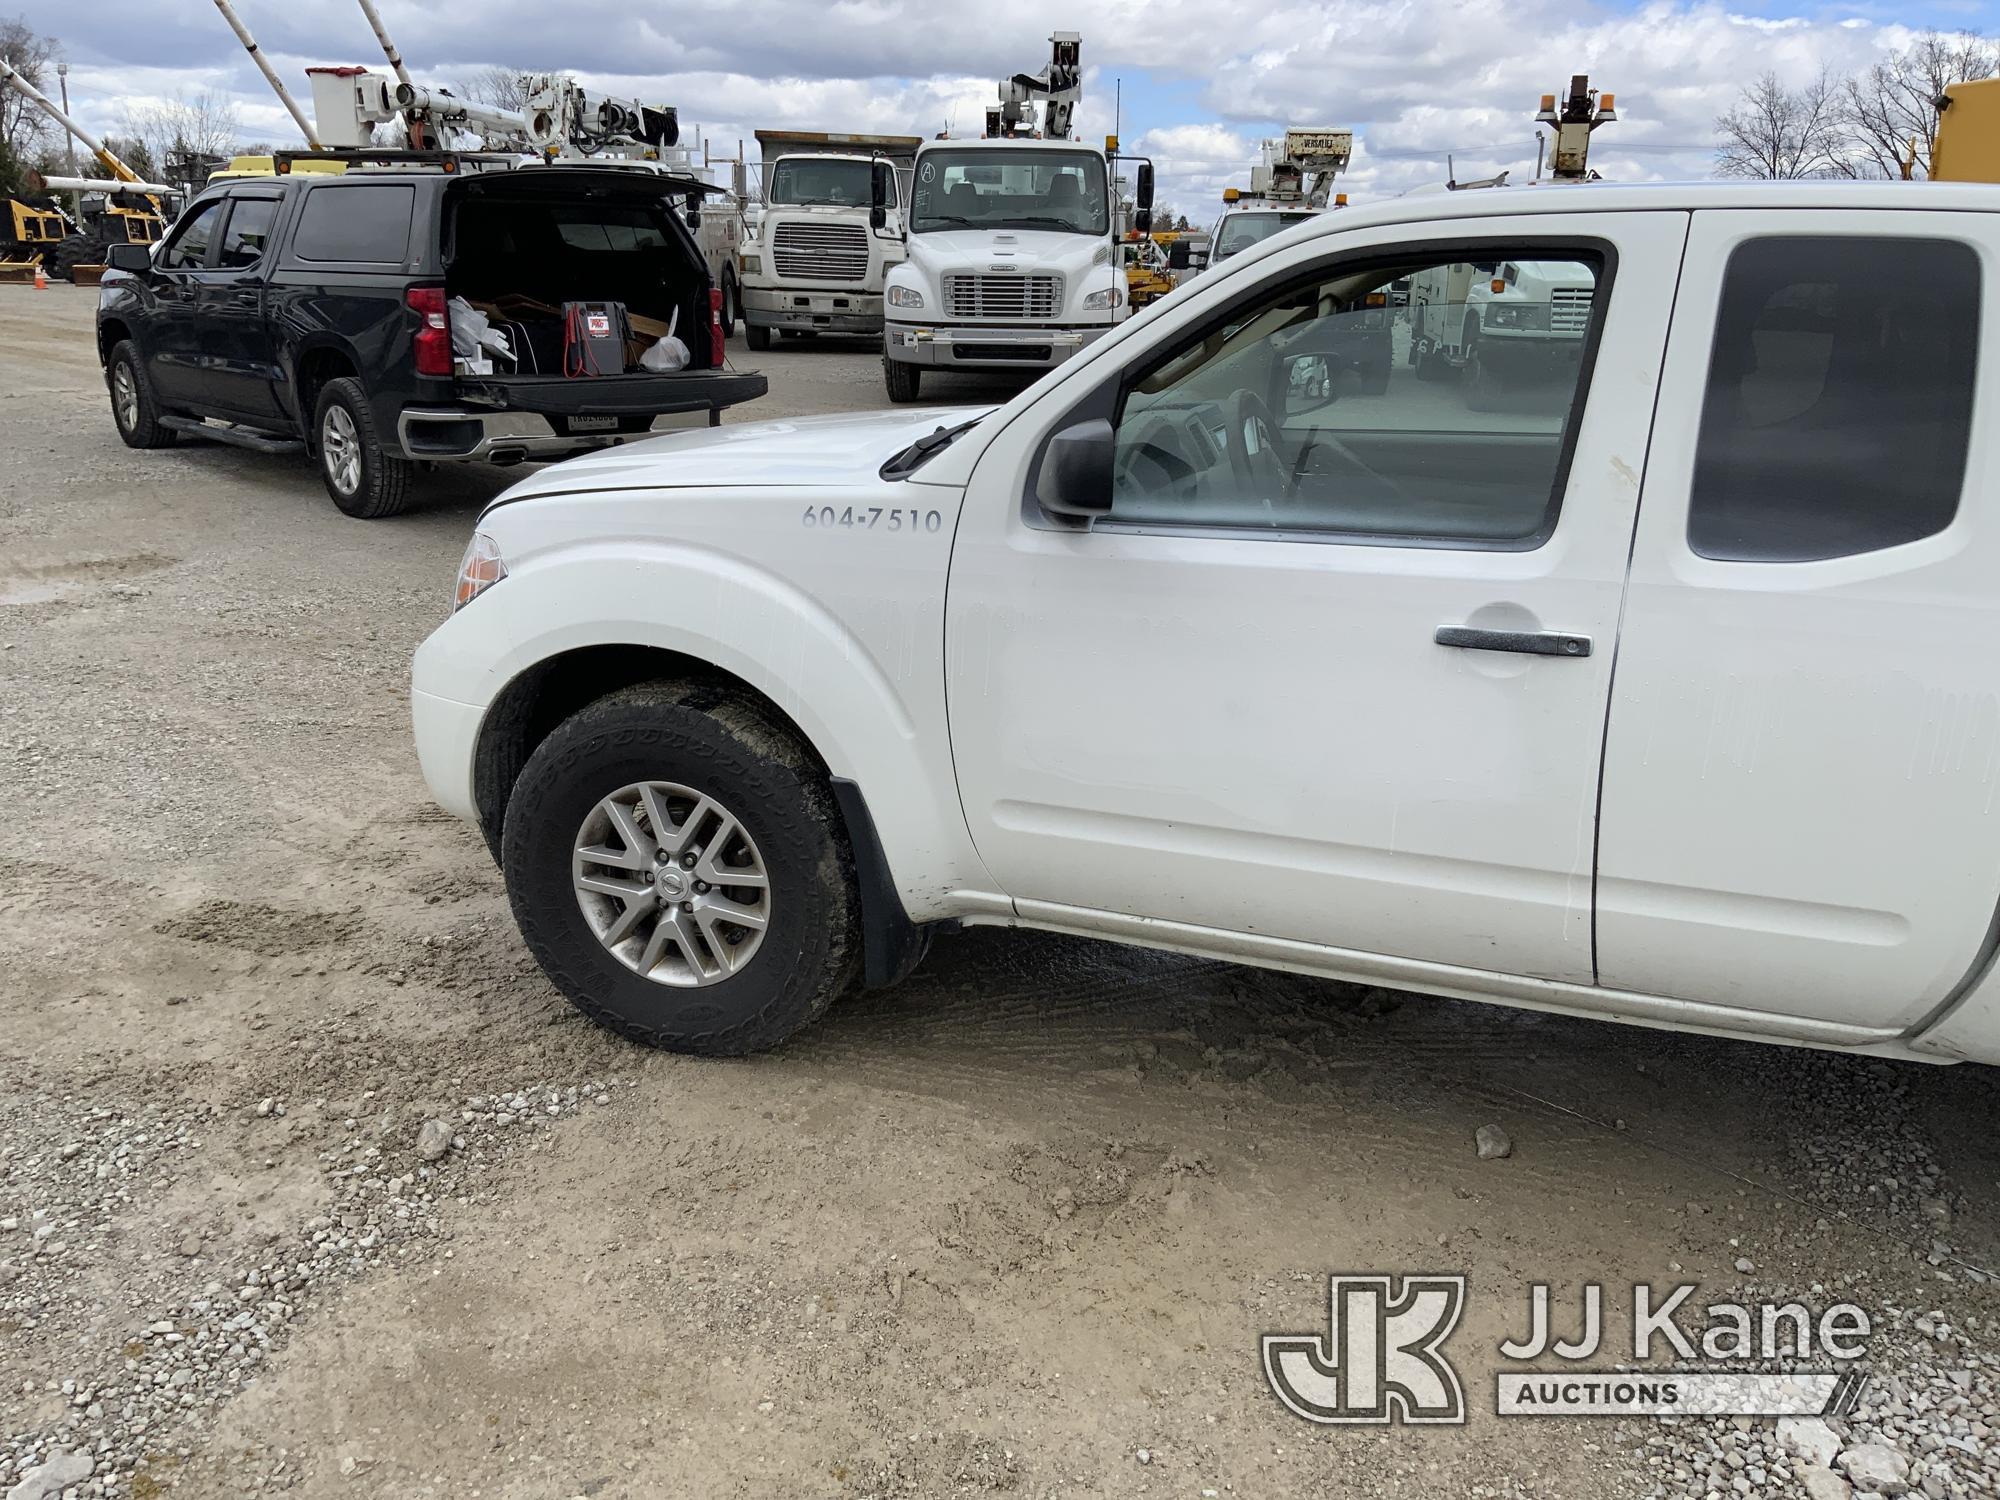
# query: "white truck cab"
x,y
1176,649
1011,263
815,262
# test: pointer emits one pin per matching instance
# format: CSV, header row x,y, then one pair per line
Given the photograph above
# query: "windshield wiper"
x,y
912,458
1032,220
817,203
931,219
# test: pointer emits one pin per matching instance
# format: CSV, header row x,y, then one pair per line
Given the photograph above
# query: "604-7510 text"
x,y
873,518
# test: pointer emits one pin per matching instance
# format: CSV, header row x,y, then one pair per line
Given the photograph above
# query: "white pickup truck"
x,y
1667,691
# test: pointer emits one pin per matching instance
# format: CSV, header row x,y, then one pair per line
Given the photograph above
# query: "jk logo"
x,y
1378,1360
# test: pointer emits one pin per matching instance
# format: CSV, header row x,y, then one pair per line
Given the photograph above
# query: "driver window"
x,y
190,246
1424,401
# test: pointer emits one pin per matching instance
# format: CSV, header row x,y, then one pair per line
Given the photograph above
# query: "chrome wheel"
x,y
671,884
125,395
340,449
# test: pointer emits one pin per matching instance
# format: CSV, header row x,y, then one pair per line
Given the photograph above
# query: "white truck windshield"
x,y
801,181
1062,191
1240,231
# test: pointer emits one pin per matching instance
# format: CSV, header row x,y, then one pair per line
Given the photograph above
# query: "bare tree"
x,y
23,125
206,125
496,86
1785,134
1894,103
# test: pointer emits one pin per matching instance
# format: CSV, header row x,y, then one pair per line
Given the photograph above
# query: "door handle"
x,y
1526,642
246,299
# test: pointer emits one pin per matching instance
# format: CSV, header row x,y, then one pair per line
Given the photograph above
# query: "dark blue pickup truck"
x,y
315,309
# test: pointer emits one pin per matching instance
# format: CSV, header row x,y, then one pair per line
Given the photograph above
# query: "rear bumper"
x,y
819,309
964,348
460,435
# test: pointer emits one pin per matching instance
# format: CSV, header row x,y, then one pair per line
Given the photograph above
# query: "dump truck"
x,y
816,261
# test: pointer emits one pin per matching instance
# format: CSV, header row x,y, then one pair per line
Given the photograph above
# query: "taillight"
x,y
715,354
432,343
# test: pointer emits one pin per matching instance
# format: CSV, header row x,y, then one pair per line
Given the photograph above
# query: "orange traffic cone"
x,y
41,278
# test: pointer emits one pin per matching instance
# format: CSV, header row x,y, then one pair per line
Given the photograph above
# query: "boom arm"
x,y
1059,86
112,164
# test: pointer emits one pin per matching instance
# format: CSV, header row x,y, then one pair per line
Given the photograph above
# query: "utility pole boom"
x,y
117,168
270,74
388,47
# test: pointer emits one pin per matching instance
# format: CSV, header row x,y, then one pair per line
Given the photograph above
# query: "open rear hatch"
x,y
527,247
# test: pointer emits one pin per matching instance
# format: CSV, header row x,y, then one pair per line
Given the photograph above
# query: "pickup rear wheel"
x,y
901,379
365,481
133,406
681,872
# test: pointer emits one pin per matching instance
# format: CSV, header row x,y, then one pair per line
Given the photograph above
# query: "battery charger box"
x,y
594,338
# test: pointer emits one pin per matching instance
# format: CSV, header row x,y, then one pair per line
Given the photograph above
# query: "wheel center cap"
x,y
672,883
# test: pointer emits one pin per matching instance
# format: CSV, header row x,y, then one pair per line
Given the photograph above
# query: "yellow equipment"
x,y
1967,145
28,238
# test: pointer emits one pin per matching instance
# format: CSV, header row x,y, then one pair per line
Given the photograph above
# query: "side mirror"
x,y
693,215
1178,256
1074,478
878,196
1143,193
129,257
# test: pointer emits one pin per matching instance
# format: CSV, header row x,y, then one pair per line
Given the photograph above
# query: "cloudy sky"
x,y
1201,81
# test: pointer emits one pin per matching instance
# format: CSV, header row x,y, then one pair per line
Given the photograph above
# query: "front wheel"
x,y
681,873
901,379
133,405
729,301
365,480
757,337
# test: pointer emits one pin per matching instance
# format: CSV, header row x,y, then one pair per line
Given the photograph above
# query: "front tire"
x,y
902,380
134,408
680,871
364,479
757,337
730,301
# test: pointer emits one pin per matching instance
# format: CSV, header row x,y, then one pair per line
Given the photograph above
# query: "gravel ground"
x,y
309,1183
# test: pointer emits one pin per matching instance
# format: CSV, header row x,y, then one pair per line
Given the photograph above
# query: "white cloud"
x,y
1421,82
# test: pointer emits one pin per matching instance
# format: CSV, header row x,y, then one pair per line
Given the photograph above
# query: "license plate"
x,y
593,424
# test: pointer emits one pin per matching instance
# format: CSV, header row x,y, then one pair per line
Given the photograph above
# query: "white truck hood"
x,y
1075,256
807,452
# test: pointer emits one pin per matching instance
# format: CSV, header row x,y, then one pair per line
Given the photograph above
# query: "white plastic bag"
x,y
472,331
669,354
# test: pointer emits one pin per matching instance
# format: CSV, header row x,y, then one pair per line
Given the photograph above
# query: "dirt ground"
x,y
1013,1227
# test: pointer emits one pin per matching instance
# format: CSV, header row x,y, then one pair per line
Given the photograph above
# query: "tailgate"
x,y
640,394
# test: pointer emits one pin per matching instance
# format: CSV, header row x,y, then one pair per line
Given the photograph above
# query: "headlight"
x,y
479,571
905,296
752,266
1113,296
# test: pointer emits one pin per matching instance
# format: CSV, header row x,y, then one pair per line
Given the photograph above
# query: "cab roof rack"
x,y
448,161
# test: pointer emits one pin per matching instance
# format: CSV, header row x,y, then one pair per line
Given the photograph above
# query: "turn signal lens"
x,y
481,569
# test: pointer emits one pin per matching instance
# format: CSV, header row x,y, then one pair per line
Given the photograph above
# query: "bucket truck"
x,y
1012,239
123,210
1292,181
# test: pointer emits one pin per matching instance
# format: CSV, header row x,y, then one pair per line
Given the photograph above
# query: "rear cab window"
x,y
1837,413
364,223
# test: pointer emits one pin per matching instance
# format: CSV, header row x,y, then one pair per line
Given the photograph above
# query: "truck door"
x,y
170,343
1804,743
238,350
1334,667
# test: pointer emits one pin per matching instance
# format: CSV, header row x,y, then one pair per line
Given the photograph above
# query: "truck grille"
x,y
1569,309
820,252
971,295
